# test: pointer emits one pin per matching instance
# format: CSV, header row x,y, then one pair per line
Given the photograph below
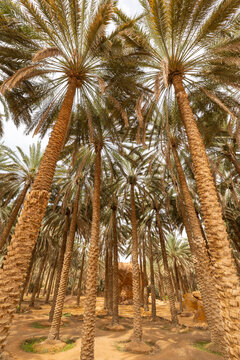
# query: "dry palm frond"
x,y
21,75
102,85
213,97
164,66
139,110
118,106
43,118
45,53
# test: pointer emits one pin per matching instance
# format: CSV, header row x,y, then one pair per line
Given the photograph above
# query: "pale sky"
x,y
15,136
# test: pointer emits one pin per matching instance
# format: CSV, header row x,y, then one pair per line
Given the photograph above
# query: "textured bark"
x,y
169,286
201,259
145,280
41,280
50,284
74,281
56,322
153,293
110,277
60,264
115,318
80,278
178,287
47,280
37,281
225,273
14,271
106,279
89,318
27,278
161,282
141,279
13,216
137,320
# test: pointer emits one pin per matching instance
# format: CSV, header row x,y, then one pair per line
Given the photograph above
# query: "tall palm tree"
x,y
16,179
190,48
70,36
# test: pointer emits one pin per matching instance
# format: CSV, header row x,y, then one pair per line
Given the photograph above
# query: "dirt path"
x,y
173,345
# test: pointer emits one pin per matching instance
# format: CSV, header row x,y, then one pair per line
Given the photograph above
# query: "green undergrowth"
x,y
201,345
38,325
28,345
67,314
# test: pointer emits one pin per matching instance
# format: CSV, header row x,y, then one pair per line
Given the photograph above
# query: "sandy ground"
x,y
172,344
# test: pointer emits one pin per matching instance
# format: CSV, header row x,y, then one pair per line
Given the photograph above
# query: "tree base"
x,y
49,346
137,347
115,327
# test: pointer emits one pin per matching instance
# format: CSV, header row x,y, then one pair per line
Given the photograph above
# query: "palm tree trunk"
x,y
56,322
170,291
73,283
27,278
89,318
201,260
47,280
162,290
137,320
141,279
50,284
145,281
115,318
178,287
37,281
106,281
16,263
225,273
153,293
80,278
60,263
41,281
110,277
13,216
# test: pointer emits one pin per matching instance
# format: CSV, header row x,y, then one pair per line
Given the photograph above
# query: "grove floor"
x,y
173,344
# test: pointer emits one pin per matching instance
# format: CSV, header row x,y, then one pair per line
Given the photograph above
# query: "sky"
x,y
15,136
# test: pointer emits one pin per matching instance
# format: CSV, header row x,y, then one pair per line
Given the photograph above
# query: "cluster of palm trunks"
x,y
128,101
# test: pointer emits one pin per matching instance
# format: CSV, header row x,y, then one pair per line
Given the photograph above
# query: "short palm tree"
x,y
16,178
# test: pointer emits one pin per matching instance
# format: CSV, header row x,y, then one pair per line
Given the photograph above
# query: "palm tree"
x,y
191,48
16,179
70,42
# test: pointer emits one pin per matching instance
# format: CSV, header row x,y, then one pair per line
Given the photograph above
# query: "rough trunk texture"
x,y
27,278
137,320
145,280
201,259
89,318
50,284
80,278
37,281
106,280
14,271
161,282
47,280
60,264
110,277
13,216
141,279
225,273
153,293
56,322
167,274
115,318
